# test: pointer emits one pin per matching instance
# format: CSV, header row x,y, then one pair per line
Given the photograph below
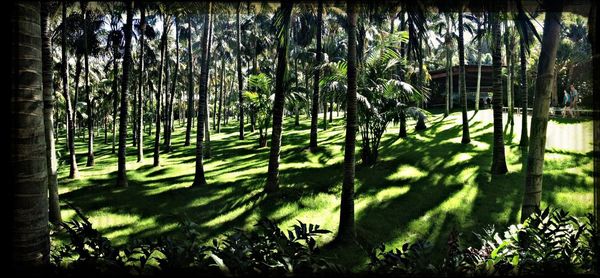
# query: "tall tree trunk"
x,y
190,101
30,242
207,149
48,93
448,67
220,112
73,171
115,95
331,110
76,99
524,137
461,81
140,108
122,155
90,119
163,45
239,70
478,91
282,58
169,115
498,157
508,71
324,112
346,231
216,94
199,178
315,98
539,119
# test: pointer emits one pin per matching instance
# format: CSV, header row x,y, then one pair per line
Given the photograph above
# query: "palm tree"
x,y
169,100
346,231
527,33
498,157
199,179
47,71
114,40
140,109
282,26
29,177
122,156
462,86
190,105
73,171
90,122
163,50
541,105
315,98
239,70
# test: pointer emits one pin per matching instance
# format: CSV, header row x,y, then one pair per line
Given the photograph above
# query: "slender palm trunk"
x,y
346,231
282,58
169,116
315,98
190,101
478,91
498,157
48,93
524,136
239,70
122,156
73,171
220,112
163,45
461,81
508,72
90,119
140,108
539,119
76,98
115,96
207,149
324,113
30,242
199,178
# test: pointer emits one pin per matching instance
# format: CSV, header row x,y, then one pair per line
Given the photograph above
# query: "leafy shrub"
x,y
267,250
548,242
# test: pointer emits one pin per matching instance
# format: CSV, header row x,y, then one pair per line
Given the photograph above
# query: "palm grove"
x,y
119,72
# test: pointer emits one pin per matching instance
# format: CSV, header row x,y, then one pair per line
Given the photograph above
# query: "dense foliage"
x,y
549,242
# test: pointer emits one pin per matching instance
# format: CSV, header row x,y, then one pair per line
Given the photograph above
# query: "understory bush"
x,y
548,242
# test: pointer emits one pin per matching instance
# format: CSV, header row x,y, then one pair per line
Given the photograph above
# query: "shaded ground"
x,y
422,187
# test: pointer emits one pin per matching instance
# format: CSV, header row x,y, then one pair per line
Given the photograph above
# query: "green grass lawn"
x,y
421,188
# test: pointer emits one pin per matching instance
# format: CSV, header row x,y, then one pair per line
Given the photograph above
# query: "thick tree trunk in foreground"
x,y
199,178
48,91
30,242
498,157
346,231
541,105
122,155
282,58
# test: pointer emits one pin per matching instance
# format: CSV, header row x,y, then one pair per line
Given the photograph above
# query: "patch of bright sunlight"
x,y
430,224
407,172
458,158
228,216
467,175
390,193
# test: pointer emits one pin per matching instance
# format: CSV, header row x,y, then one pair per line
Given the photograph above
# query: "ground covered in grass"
x,y
422,187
